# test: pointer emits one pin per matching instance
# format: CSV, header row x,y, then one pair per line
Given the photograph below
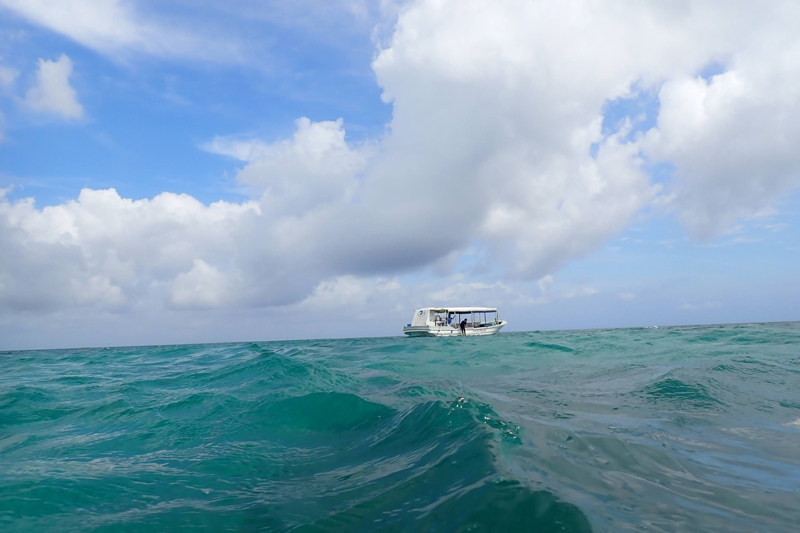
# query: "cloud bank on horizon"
x,y
503,142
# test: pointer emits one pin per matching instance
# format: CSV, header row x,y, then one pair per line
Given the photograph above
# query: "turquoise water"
x,y
672,429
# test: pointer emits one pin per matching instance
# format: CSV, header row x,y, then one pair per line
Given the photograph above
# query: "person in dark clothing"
x,y
464,327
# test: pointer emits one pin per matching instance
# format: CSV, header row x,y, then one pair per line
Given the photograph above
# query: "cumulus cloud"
x,y
203,286
506,102
52,93
293,176
378,295
368,298
732,140
106,250
496,141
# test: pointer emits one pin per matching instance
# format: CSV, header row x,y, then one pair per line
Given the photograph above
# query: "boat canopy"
x,y
461,309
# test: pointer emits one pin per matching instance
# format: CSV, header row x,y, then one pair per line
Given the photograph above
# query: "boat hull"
x,y
450,331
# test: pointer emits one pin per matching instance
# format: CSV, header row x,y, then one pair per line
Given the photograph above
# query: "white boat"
x,y
447,322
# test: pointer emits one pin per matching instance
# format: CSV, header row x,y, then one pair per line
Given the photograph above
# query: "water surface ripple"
x,y
671,429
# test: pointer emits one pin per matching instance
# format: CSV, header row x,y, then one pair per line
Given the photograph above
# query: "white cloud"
x,y
577,292
493,127
345,298
496,142
257,253
732,139
513,97
117,27
52,94
293,176
106,250
234,147
8,76
461,292
204,286
349,292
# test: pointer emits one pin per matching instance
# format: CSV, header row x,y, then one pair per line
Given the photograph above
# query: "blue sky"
x,y
146,117
338,164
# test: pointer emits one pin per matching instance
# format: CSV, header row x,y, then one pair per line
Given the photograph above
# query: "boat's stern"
x,y
417,331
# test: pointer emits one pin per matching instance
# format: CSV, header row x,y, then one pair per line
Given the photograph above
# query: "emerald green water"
x,y
672,429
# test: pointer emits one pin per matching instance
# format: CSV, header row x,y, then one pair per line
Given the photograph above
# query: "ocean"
x,y
669,429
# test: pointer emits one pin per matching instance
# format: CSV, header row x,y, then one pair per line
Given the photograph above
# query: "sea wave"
x,y
669,429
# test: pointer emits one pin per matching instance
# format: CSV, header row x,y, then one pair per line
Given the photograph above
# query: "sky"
x,y
206,171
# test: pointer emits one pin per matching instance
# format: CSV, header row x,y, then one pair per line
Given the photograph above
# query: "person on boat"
x,y
450,318
464,327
